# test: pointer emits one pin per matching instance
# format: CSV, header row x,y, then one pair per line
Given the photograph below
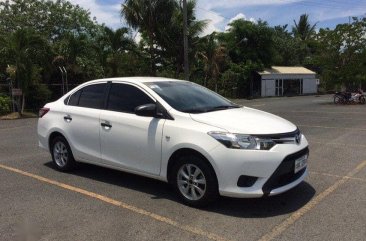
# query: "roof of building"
x,y
286,70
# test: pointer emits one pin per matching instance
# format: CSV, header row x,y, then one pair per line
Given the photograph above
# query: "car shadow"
x,y
246,208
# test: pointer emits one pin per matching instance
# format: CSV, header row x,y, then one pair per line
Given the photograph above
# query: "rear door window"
x,y
125,98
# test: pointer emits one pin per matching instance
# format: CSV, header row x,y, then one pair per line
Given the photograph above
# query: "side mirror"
x,y
146,110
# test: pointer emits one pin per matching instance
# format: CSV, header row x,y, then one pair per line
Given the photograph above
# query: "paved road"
x,y
93,203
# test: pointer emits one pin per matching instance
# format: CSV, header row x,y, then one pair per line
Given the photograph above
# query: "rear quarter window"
x,y
74,98
91,96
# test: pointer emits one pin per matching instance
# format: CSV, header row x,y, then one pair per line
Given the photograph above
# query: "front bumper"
x,y
273,169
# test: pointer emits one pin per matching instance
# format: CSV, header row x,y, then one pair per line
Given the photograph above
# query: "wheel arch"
x,y
186,151
52,136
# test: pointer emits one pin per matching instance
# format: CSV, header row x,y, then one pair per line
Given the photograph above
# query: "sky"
x,y
326,13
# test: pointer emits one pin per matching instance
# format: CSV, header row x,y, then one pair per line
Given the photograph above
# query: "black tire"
x,y
63,162
362,100
337,99
211,192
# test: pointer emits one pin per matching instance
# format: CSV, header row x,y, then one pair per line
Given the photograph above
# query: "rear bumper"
x,y
42,135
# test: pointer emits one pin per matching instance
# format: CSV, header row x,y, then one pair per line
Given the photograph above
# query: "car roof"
x,y
137,79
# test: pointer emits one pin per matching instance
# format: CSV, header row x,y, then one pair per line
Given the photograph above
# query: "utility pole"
x,y
185,40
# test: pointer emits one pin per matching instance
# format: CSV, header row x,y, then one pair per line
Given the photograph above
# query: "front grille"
x,y
283,138
284,174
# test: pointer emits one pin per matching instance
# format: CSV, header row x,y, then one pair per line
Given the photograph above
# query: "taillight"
x,y
43,111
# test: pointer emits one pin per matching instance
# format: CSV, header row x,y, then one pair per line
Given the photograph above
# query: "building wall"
x,y
309,86
268,87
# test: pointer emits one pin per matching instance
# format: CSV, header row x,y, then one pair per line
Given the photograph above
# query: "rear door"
x,y
81,121
128,140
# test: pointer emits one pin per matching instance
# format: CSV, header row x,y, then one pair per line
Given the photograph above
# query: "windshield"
x,y
189,97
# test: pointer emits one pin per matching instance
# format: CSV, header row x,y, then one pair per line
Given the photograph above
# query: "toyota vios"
x,y
175,131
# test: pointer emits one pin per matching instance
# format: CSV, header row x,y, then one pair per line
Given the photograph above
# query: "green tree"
x,y
51,19
213,55
170,36
286,47
148,16
246,40
116,43
304,32
77,54
341,54
250,47
303,29
24,49
69,31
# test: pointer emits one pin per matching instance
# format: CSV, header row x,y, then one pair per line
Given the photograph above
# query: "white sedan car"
x,y
175,131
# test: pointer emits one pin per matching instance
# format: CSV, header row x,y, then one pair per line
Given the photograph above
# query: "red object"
x,y
43,111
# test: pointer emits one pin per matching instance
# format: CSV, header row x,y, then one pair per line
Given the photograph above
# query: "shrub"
x,y
5,104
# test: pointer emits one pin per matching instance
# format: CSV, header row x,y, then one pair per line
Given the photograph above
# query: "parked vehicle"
x,y
175,131
349,98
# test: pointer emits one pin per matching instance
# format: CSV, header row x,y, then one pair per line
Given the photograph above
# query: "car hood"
x,y
245,121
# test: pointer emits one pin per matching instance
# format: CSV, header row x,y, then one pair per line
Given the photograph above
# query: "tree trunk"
x,y
23,103
152,55
177,70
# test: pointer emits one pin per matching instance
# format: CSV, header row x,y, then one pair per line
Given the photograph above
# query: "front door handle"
x,y
106,125
67,118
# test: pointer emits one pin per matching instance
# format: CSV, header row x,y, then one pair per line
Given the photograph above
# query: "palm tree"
x,y
304,32
23,48
303,28
213,55
115,43
171,35
147,16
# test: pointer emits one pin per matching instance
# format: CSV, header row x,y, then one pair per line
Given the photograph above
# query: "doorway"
x,y
292,87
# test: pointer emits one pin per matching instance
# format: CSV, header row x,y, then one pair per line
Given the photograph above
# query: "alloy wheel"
x,y
191,182
60,153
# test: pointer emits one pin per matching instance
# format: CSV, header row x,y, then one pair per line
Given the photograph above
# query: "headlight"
x,y
241,141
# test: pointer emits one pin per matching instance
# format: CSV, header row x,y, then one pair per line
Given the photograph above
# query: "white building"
x,y
286,81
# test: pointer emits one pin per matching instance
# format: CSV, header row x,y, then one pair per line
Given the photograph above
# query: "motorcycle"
x,y
349,98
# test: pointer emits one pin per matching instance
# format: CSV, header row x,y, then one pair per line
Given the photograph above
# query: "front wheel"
x,y
195,181
61,154
362,100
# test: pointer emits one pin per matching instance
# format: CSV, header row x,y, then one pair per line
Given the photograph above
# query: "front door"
x,y
127,140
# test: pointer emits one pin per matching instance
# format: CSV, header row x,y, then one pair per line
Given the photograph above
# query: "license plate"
x,y
300,163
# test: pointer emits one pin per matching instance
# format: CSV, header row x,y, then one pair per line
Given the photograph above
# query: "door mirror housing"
x,y
146,110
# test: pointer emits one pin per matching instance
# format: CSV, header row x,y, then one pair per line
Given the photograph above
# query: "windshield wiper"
x,y
194,111
215,108
222,107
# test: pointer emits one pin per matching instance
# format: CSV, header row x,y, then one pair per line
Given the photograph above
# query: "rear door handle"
x,y
67,118
106,125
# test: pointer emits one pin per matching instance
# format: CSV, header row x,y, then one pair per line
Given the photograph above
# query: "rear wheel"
x,y
61,154
195,181
337,99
